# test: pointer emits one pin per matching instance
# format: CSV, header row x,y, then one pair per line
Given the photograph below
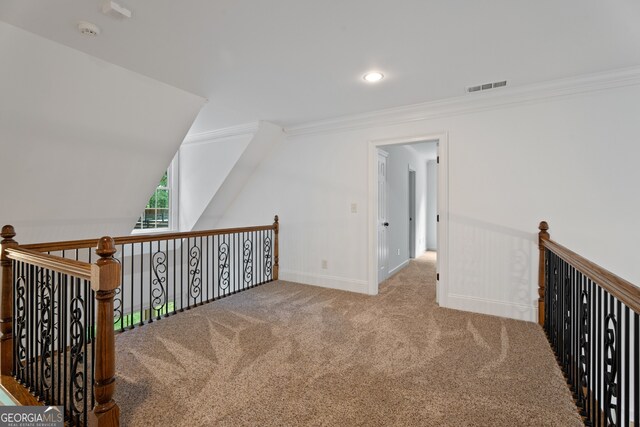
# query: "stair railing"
x,y
60,307
56,330
591,318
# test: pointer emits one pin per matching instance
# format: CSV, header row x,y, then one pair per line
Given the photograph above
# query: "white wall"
x,y
401,159
571,160
204,165
262,143
83,142
432,205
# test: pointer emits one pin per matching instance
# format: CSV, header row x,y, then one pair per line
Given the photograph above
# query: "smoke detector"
x,y
88,29
485,86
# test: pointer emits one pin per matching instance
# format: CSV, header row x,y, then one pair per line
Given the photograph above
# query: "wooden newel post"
x,y
542,235
105,279
6,301
276,253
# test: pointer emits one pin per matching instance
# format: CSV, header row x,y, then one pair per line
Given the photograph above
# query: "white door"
x,y
412,214
383,245
438,227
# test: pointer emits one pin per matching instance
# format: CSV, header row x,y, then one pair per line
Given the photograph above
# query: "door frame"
x,y
412,213
443,209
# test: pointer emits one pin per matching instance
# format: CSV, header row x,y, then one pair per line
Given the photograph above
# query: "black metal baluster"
x,y
119,312
206,261
14,318
30,298
547,300
132,287
52,339
201,271
59,335
64,329
234,272
592,355
166,280
181,275
87,323
599,387
151,274
92,304
573,365
215,267
618,347
70,379
189,273
175,296
607,359
627,375
259,249
583,348
211,260
636,370
254,262
141,285
19,319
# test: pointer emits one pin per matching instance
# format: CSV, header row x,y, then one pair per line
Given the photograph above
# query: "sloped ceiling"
x,y
294,61
83,142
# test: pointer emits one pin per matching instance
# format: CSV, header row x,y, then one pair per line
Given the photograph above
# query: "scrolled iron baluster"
x,y
585,342
223,263
567,321
77,334
117,307
45,323
248,261
611,369
195,283
20,327
267,257
158,291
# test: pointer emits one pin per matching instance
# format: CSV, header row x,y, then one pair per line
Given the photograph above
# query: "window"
x,y
159,212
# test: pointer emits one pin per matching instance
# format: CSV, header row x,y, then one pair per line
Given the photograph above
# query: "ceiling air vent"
x,y
486,86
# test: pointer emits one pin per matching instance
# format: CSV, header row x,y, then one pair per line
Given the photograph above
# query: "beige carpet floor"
x,y
286,354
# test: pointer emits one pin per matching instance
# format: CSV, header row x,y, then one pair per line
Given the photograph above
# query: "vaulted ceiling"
x,y
295,61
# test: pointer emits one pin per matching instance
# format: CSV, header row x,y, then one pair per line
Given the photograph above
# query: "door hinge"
x,y
437,218
438,160
437,276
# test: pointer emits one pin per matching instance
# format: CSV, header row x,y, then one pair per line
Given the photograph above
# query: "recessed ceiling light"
x,y
373,77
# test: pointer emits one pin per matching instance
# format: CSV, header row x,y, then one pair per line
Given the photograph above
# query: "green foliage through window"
x,y
156,213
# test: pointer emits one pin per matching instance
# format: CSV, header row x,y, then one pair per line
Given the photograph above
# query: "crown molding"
x,y
239,130
475,102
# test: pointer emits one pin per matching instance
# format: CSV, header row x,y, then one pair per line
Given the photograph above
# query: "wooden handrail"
x,y
79,269
139,238
620,288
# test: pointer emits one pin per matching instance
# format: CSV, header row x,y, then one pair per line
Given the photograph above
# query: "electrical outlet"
x,y
324,264
398,251
354,208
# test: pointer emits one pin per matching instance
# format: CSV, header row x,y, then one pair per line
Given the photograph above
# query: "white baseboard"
x,y
325,281
493,307
398,268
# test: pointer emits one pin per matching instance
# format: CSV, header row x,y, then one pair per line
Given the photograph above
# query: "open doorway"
x,y
414,203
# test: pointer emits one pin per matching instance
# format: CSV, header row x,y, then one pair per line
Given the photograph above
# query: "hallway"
x,y
291,354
